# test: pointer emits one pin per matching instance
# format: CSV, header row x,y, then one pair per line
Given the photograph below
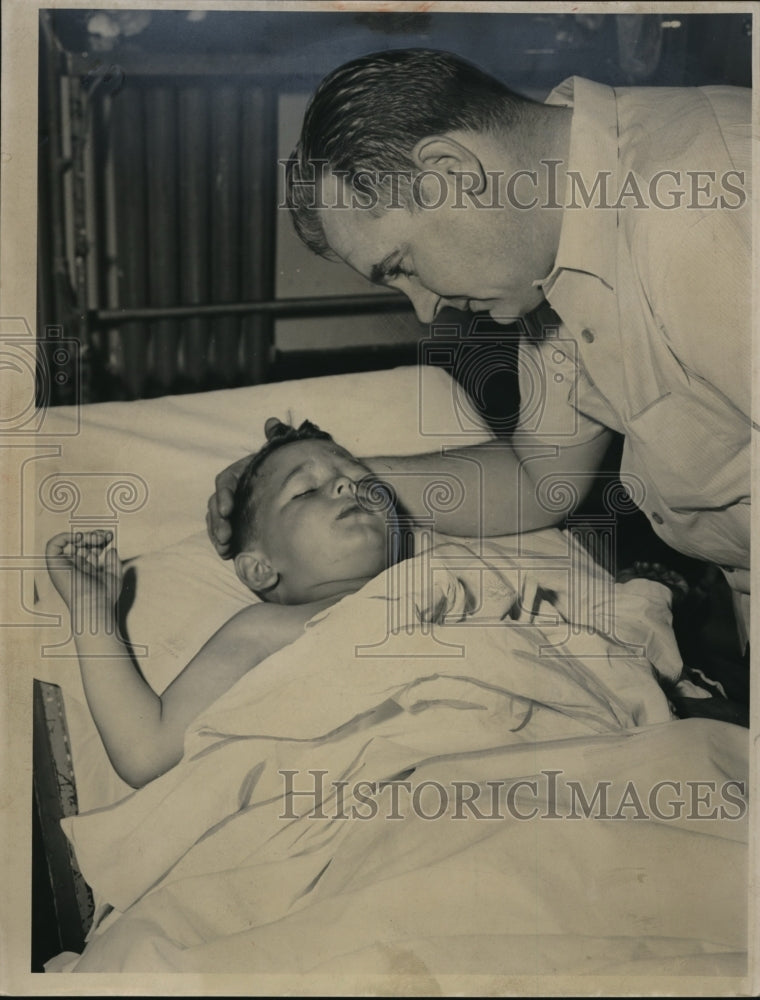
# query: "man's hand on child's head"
x,y
85,572
220,506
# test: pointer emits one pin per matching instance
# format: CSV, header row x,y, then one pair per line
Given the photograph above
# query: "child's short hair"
x,y
243,517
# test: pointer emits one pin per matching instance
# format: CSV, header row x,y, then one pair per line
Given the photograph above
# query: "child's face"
x,y
312,531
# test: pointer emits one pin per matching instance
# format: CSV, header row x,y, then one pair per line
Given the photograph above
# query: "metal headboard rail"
x,y
327,305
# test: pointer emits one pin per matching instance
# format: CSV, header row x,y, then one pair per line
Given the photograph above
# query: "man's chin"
x,y
502,318
506,311
506,315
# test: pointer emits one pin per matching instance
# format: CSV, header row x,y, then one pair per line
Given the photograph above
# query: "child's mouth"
x,y
351,508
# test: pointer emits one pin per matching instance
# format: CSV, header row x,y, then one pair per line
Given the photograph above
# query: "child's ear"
x,y
255,570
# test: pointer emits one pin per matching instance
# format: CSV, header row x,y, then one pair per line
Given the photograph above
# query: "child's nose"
x,y
344,485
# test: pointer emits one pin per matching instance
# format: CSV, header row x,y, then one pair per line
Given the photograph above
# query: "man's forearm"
x,y
494,488
477,491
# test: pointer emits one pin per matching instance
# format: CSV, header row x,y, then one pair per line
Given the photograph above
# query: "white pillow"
x,y
182,595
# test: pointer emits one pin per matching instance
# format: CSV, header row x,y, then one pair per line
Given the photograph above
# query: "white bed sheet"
x,y
221,870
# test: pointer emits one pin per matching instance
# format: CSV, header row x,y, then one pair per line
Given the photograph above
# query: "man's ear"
x,y
446,156
255,570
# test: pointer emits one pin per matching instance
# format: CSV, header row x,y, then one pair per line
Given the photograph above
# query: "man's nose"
x,y
425,303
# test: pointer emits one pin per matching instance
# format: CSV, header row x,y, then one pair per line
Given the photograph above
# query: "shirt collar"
x,y
588,235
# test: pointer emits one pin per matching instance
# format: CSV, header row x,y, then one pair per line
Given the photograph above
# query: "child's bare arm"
x,y
143,733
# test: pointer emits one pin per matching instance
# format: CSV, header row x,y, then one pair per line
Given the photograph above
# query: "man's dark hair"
x,y
243,517
370,113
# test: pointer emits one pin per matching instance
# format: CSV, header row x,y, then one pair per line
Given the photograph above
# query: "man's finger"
x,y
220,506
214,519
225,498
214,529
223,532
226,479
212,511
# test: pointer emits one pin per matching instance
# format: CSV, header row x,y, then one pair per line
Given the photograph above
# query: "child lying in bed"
x,y
304,537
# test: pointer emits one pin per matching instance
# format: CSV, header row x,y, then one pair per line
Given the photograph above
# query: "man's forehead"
x,y
344,229
358,236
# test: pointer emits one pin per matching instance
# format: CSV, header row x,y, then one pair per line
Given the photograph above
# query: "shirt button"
x,y
656,517
588,335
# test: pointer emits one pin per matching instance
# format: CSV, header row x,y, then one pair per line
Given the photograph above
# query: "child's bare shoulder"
x,y
269,626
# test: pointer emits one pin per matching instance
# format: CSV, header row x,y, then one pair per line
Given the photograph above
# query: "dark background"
x,y
525,50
